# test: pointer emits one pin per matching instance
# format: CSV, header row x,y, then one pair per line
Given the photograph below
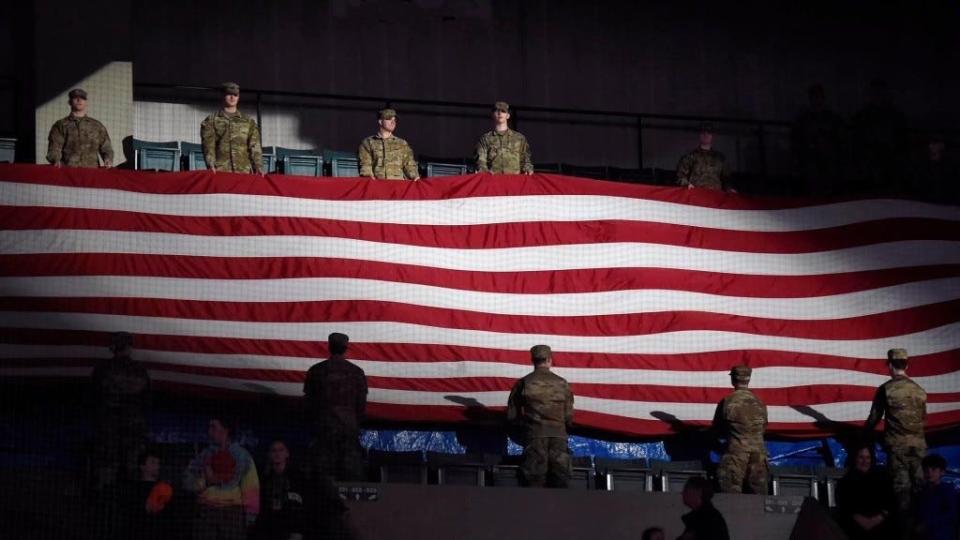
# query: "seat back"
x,y
8,149
398,467
192,156
156,156
342,164
624,474
445,169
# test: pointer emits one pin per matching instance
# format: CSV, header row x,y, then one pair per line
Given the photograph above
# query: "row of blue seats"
x,y
185,156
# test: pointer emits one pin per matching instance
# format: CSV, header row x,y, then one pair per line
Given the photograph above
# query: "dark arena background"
x,y
709,184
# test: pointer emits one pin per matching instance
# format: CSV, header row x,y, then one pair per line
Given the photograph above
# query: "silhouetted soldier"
x,y
704,167
742,418
79,140
336,400
818,145
503,150
541,404
121,388
231,139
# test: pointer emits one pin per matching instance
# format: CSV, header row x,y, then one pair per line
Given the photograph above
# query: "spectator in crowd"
x,y
704,167
936,176
818,145
282,496
231,139
741,418
937,505
879,143
224,478
336,401
865,500
150,501
541,406
704,521
653,533
79,140
121,390
503,150
903,403
386,156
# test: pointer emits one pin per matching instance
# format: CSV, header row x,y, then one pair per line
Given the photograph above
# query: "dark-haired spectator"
x,y
704,521
653,533
149,500
879,143
704,167
903,404
224,477
282,493
865,500
818,145
336,401
121,391
936,506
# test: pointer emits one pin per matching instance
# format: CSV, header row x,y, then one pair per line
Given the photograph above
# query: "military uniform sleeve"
x,y
481,155
877,409
55,143
410,169
208,138
568,408
513,402
725,173
106,150
365,156
683,170
256,151
717,426
526,161
362,397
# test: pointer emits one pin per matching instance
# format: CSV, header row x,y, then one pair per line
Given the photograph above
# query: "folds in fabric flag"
x,y
647,295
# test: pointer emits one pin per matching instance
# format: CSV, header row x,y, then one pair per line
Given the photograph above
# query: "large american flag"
x,y
647,295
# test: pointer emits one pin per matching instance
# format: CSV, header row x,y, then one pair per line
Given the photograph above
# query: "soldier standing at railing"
x,y
503,150
231,140
79,140
386,156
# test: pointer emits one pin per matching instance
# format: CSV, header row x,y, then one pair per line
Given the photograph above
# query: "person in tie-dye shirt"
x,y
224,477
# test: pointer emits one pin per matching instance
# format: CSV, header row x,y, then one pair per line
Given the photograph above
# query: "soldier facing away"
x,y
386,156
336,399
541,404
742,418
79,140
231,140
121,389
904,405
503,150
704,167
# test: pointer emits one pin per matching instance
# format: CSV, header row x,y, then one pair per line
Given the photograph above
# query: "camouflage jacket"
x,y
231,142
703,168
742,418
542,403
505,152
390,158
79,142
121,386
336,391
904,403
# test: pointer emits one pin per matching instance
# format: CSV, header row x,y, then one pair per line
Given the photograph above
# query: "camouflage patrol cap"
x,y
741,372
121,340
897,354
707,127
78,92
541,352
386,114
501,106
231,88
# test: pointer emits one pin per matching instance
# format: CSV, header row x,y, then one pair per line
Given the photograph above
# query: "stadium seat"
x,y
829,476
506,471
802,481
674,474
583,476
300,162
156,156
552,168
459,469
269,160
8,150
398,467
584,171
624,474
192,156
445,169
342,164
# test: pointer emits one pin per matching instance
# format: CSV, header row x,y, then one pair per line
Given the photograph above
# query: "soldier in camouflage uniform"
x,y
386,156
78,140
742,418
231,140
121,389
541,405
503,150
704,167
336,400
904,404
